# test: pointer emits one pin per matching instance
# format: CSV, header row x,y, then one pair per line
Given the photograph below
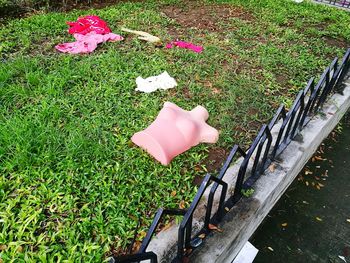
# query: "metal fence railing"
x,y
337,3
307,104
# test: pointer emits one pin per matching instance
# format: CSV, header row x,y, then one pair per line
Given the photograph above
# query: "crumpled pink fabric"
x,y
87,43
88,24
186,45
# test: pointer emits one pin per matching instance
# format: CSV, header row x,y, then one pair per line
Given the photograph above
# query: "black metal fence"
x,y
337,3
266,149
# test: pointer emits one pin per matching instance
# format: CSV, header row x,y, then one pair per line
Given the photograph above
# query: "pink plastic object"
x,y
186,45
87,43
175,131
88,24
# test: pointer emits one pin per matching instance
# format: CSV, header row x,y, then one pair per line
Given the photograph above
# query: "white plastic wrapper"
x,y
247,254
162,81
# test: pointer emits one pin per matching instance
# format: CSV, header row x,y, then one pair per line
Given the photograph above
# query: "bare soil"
x,y
282,79
204,17
341,43
216,158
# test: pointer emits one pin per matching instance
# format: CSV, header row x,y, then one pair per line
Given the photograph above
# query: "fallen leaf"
x,y
19,249
348,220
272,167
202,236
214,227
227,209
308,172
182,204
307,183
173,193
304,202
321,185
318,158
285,224
136,246
270,248
167,226
216,91
197,168
317,178
318,219
3,247
318,187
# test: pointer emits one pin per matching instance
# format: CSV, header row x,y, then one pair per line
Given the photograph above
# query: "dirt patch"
x,y
321,27
206,17
184,92
84,5
216,158
197,180
306,25
341,43
282,79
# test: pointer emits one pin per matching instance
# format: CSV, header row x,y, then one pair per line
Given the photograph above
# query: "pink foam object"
x,y
87,43
88,24
186,45
175,131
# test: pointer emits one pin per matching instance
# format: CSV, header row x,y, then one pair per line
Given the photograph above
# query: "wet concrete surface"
x,y
311,221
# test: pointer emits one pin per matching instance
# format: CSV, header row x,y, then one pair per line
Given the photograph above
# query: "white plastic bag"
x,y
162,81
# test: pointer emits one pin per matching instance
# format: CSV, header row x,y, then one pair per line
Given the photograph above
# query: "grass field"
x,y
72,185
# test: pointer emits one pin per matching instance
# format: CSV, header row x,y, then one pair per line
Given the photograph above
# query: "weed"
x,y
247,192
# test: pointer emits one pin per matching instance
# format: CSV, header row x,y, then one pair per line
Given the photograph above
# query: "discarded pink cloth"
x,y
186,45
87,43
88,24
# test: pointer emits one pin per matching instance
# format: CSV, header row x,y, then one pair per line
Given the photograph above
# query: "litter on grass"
x,y
87,43
88,31
144,36
150,84
185,45
88,24
342,258
175,131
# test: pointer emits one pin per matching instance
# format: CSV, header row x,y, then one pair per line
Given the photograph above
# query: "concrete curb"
x,y
243,219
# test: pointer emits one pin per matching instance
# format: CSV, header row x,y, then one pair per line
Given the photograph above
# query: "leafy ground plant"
x,y
72,185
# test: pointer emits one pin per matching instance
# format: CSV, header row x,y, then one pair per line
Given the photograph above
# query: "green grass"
x,y
72,185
